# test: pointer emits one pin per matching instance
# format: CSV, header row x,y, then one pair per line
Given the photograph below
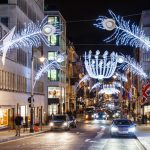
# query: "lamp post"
x,y
32,105
32,89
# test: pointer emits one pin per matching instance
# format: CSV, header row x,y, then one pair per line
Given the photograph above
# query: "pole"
x,y
120,100
41,117
31,110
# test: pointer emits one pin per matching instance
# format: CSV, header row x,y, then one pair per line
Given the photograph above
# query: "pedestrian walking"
x,y
18,123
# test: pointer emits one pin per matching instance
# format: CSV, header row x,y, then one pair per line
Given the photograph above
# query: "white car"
x,y
122,127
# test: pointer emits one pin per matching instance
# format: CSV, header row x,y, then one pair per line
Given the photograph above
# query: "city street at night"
x,y
90,135
74,75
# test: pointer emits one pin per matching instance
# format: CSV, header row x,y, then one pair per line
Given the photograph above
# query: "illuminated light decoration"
x,y
45,67
100,67
125,33
30,36
84,79
109,24
121,76
5,40
117,84
61,57
108,89
96,86
133,66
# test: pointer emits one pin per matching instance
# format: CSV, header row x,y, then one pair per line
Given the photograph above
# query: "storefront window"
x,y
54,92
52,109
3,117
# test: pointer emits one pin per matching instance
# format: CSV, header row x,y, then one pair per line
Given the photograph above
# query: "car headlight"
x,y
114,129
65,124
104,116
96,116
131,129
51,124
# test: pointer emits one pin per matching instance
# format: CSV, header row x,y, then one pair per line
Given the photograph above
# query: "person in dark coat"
x,y
18,123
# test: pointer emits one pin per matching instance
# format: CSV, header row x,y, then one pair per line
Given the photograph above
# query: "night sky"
x,y
80,16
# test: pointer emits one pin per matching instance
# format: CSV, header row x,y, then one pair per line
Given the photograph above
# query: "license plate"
x,y
123,132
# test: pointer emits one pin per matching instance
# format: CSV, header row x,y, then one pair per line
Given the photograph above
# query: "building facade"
x,y
15,75
143,56
55,80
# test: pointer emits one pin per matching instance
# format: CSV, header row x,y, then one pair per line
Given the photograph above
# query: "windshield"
x,y
122,122
59,118
89,109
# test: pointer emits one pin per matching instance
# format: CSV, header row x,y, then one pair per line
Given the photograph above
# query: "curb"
x,y
22,137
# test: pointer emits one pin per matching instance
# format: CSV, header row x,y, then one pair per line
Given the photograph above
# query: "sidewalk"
x,y
9,135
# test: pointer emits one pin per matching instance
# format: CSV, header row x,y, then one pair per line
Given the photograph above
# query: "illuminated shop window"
x,y
3,117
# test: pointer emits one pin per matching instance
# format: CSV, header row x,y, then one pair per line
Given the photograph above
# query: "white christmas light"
x,y
100,67
30,36
45,67
108,89
96,86
84,79
125,33
133,66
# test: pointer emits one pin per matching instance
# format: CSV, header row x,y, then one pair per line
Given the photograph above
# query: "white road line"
x,y
138,145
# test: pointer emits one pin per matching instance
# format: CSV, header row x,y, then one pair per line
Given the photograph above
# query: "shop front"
x,y
6,116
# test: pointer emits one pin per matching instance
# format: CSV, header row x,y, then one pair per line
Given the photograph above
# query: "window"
x,y
52,55
4,20
54,39
54,92
53,20
53,75
146,57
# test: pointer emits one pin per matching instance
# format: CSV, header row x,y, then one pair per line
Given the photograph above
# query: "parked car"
x,y
122,127
72,121
60,121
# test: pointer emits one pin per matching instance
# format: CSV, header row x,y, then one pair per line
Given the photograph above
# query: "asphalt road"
x,y
90,135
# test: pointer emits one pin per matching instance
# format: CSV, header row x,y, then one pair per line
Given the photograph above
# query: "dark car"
x,y
102,116
60,121
122,127
89,113
72,121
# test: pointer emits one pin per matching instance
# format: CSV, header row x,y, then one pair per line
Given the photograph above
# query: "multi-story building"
x,y
74,68
55,83
15,75
143,56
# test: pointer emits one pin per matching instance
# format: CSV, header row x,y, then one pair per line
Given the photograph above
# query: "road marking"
x,y
138,145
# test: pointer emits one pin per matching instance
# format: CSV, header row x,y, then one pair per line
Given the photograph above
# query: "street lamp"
x,y
32,91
